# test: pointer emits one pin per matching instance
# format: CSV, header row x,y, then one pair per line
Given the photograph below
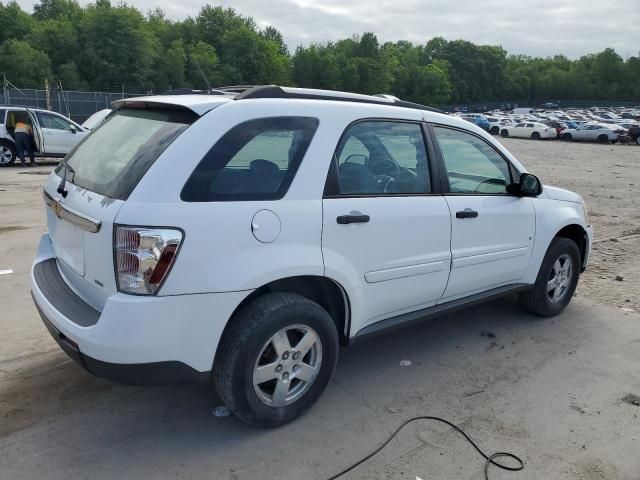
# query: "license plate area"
x,y
68,243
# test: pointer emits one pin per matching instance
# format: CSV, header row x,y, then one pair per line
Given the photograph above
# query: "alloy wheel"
x,y
560,279
5,154
287,365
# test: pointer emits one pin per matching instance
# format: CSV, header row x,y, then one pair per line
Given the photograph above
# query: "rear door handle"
x,y
466,213
346,219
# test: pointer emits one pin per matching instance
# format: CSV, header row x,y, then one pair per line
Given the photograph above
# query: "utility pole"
x,y
47,93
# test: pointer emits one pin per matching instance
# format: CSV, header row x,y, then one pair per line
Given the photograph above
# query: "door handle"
x,y
466,213
347,219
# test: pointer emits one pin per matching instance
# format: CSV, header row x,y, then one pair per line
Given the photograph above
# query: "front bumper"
x,y
588,247
134,339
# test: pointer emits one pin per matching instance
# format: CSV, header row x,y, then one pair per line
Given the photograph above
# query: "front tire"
x,y
567,137
603,139
276,359
504,133
495,130
557,279
535,136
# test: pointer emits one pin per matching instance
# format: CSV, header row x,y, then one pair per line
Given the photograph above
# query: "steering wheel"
x,y
385,167
384,183
357,155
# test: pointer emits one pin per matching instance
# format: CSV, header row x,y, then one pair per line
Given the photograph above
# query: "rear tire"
x,y
567,137
504,133
557,280
495,130
7,153
535,136
261,362
638,139
603,139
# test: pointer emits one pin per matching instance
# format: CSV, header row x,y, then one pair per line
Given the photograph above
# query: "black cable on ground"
x,y
489,459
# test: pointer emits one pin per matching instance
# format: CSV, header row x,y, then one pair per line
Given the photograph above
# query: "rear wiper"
x,y
63,183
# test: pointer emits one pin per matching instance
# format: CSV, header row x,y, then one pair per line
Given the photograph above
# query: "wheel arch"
x,y
578,234
326,292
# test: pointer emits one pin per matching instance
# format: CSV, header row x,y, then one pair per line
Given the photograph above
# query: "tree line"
x,y
108,47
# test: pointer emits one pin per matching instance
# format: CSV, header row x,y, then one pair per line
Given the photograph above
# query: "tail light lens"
x,y
143,257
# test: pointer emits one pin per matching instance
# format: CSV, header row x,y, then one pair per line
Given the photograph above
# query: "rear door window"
x,y
255,160
112,160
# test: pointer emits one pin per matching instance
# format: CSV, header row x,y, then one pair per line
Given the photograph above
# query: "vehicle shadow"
x,y
85,424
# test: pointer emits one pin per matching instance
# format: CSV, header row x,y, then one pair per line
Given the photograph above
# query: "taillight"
x,y
143,257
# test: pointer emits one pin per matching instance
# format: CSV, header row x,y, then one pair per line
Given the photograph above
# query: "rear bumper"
x,y
156,373
134,339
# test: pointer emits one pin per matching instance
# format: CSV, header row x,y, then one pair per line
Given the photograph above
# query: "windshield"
x,y
112,160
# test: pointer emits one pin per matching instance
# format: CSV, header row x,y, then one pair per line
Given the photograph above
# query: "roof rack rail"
x,y
274,91
190,91
236,88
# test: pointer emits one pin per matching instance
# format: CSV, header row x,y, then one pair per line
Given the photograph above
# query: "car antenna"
x,y
206,80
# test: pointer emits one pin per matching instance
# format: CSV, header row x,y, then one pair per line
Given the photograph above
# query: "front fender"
x,y
551,217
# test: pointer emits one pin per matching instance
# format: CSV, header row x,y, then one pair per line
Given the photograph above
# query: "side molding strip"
x,y
407,318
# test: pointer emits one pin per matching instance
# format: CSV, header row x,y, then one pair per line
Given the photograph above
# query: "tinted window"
x,y
255,160
112,160
2,113
391,159
473,166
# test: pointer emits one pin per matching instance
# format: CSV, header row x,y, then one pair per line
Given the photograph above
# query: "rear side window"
x,y
114,157
255,160
2,115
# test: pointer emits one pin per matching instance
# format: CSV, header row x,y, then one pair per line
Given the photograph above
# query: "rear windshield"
x,y
255,160
114,157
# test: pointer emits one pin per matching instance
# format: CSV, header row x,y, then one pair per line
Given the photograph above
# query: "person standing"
x,y
22,135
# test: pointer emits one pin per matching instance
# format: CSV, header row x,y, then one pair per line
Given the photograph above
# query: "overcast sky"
x,y
535,27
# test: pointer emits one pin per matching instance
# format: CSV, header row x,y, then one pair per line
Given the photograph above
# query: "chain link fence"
x,y
81,105
76,105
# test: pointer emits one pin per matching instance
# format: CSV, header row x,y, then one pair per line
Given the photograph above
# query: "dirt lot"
x,y
550,391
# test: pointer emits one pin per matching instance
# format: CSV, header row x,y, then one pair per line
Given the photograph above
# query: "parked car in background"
x,y
495,124
634,134
533,130
54,135
594,132
477,119
559,126
96,119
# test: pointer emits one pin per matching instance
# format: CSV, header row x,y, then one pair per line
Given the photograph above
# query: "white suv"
x,y
54,135
241,238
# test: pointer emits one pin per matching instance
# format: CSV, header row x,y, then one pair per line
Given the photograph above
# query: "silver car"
x,y
594,132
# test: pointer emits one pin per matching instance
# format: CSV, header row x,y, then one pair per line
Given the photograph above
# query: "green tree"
x,y
57,9
23,65
118,47
15,24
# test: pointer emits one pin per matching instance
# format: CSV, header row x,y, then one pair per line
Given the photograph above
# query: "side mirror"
x,y
73,129
529,186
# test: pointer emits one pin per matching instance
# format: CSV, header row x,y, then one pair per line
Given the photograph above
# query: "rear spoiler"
x,y
174,102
